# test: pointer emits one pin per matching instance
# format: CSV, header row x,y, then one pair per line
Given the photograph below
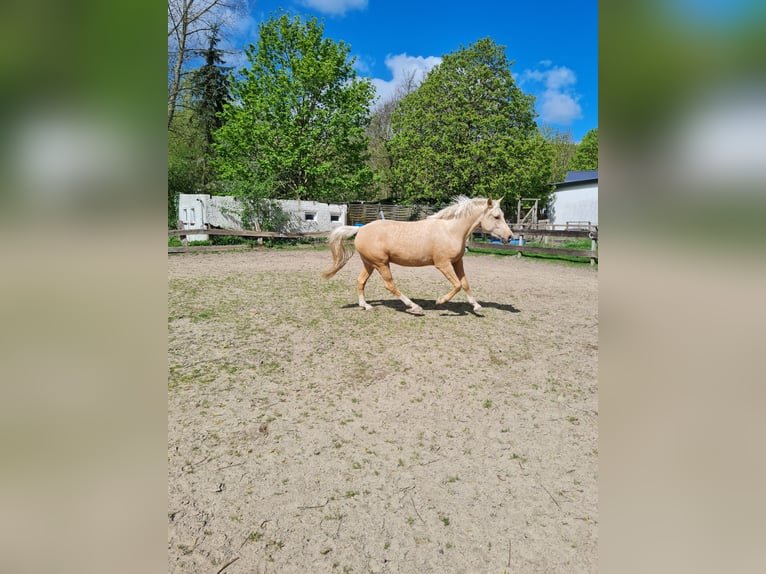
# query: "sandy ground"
x,y
308,435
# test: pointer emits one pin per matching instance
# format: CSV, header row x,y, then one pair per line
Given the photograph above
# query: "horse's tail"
x,y
341,252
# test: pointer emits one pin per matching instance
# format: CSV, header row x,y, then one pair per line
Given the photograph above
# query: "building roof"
x,y
577,177
573,176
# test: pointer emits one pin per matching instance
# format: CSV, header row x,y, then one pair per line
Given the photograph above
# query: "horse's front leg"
x,y
455,275
449,273
460,272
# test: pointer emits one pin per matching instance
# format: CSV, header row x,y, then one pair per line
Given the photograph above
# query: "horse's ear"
x,y
489,203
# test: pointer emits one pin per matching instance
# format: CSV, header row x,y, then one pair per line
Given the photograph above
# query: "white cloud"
x,y
362,64
558,78
558,102
402,67
335,7
559,108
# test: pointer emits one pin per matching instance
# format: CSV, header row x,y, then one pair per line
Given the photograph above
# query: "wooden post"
x,y
593,247
184,241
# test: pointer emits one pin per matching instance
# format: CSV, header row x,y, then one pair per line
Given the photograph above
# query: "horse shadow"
x,y
449,309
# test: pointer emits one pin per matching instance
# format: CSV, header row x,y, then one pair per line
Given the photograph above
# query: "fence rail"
x,y
183,233
245,233
557,230
590,253
519,230
208,248
524,231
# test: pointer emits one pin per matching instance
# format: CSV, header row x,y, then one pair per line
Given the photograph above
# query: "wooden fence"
x,y
183,233
520,231
366,212
543,232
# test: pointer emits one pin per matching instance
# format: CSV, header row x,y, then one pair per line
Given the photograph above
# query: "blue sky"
x,y
553,44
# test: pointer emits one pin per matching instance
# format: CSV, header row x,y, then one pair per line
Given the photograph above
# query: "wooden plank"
x,y
528,249
208,248
554,232
245,233
552,227
238,233
580,233
557,233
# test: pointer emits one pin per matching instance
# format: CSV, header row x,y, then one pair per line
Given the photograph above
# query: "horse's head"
x,y
493,222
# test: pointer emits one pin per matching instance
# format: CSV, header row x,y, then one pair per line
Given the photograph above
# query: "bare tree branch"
x,y
187,20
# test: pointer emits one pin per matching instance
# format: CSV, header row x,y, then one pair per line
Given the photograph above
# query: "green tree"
x,y
210,92
586,156
296,125
186,144
379,133
468,129
563,151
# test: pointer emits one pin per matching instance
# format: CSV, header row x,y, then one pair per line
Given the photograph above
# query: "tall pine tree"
x,y
210,92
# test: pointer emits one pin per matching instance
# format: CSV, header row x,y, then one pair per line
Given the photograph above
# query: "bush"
x,y
229,240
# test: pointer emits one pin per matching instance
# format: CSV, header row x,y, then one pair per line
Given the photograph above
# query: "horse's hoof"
x,y
367,307
417,309
478,308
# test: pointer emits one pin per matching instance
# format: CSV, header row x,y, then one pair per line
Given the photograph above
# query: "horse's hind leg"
x,y
361,281
460,272
388,282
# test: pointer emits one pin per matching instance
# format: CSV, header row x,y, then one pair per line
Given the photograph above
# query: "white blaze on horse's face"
x,y
494,223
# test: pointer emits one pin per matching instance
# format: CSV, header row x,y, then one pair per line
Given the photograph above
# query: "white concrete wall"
x,y
197,211
223,211
315,216
191,212
576,203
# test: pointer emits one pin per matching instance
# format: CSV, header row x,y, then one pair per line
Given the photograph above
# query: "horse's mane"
x,y
461,206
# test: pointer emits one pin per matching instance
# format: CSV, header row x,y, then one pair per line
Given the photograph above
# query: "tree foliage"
x,y
210,92
563,151
586,157
296,125
468,129
186,145
379,133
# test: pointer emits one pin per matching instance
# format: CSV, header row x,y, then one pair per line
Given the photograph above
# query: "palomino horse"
x,y
438,240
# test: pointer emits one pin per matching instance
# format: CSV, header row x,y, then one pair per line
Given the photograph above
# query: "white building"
x,y
202,211
575,199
